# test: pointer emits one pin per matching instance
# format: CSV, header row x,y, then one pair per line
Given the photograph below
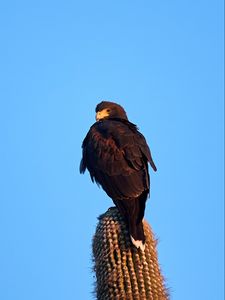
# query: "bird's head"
x,y
108,110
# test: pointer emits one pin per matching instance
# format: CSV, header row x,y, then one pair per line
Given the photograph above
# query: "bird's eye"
x,y
108,110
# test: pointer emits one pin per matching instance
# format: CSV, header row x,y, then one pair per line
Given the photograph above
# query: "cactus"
x,y
124,272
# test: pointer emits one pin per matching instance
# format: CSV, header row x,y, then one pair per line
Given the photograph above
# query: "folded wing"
x,y
117,157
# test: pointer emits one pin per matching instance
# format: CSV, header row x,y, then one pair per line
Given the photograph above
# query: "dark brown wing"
x,y
117,156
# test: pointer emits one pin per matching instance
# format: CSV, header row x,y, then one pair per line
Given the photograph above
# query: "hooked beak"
x,y
101,114
98,116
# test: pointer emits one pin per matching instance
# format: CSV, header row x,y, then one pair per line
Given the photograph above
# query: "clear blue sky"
x,y
163,61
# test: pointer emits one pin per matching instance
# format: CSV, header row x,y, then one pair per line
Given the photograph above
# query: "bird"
x,y
117,157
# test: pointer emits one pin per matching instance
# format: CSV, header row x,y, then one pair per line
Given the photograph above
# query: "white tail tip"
x,y
138,243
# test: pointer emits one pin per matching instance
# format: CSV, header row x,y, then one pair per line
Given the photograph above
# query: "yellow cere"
x,y
102,114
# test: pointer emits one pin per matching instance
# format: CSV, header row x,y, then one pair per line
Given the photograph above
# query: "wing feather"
x,y
116,156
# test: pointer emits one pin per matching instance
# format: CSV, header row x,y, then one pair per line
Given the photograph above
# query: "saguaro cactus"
x,y
122,271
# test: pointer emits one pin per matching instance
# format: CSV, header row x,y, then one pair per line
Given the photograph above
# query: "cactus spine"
x,y
122,271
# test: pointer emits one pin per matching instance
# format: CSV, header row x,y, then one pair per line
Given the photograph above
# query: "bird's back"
x,y
116,155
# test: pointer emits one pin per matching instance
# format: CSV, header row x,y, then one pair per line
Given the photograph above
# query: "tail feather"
x,y
133,212
138,243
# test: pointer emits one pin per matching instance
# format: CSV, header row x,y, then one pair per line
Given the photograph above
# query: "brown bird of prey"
x,y
116,155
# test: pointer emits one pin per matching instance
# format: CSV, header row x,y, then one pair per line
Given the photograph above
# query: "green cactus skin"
x,y
124,272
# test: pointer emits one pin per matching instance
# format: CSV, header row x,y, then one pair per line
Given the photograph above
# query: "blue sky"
x,y
164,63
